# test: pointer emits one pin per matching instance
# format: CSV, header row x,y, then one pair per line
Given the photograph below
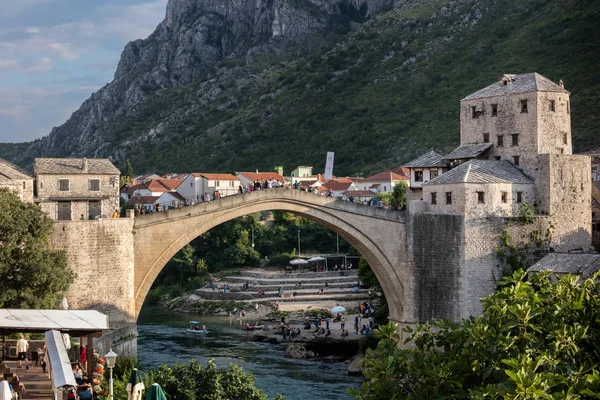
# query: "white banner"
x,y
329,166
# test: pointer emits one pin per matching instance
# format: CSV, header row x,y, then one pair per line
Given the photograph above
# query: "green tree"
x,y
398,200
126,173
192,381
536,339
31,274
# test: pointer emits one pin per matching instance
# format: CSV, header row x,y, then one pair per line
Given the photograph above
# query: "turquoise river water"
x,y
163,340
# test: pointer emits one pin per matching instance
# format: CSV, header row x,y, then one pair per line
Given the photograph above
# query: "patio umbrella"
x,y
135,386
5,393
315,259
298,261
64,305
155,393
338,309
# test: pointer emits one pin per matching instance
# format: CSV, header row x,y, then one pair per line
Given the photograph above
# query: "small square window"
x,y
552,106
504,197
519,197
486,138
500,140
434,198
516,160
474,113
448,197
523,106
63,185
481,197
515,139
494,110
418,176
497,158
433,173
94,185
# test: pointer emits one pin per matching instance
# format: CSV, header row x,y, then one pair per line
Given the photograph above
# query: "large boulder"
x,y
354,366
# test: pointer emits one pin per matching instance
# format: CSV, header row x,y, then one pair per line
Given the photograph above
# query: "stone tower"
x,y
522,116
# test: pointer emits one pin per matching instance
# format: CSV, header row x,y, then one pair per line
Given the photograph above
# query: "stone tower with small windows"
x,y
522,116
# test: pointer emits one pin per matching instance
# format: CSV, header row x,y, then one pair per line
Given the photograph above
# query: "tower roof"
x,y
482,171
428,160
514,84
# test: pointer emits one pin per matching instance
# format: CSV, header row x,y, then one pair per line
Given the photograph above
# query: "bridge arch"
x,y
378,235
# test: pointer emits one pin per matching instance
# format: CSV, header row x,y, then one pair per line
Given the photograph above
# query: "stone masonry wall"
x,y
507,122
437,253
564,193
22,188
47,188
100,253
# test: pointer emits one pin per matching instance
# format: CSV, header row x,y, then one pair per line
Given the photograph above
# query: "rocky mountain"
x,y
226,85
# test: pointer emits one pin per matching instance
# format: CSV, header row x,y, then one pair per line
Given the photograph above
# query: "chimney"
x,y
257,170
279,170
84,167
561,84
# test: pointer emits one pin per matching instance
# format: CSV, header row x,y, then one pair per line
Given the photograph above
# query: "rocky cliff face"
x,y
195,36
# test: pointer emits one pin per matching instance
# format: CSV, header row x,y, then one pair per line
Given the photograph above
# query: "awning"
x,y
74,322
60,365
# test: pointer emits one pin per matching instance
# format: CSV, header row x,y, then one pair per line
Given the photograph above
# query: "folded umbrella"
x,y
155,393
135,386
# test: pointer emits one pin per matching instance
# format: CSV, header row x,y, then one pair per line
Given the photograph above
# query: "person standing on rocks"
x,y
342,323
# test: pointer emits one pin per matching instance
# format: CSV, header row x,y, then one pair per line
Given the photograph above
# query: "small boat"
x,y
252,327
194,328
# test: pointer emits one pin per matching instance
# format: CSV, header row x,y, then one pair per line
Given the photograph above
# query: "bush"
x,y
536,339
280,260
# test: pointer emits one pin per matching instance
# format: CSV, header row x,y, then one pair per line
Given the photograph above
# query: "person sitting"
x,y
86,394
362,330
196,327
77,374
203,327
321,331
344,333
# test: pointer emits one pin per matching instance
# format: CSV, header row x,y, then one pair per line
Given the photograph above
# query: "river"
x,y
163,340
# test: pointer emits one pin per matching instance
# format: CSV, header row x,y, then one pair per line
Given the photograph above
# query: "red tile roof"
x,y
402,171
338,185
386,176
219,177
262,176
590,152
157,185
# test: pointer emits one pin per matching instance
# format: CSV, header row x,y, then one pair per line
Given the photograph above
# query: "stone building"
x,y
71,189
18,181
515,149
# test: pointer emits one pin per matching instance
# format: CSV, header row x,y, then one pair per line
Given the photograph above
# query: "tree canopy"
x,y
31,274
536,339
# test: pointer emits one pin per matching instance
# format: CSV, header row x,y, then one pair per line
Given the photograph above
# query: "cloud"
x,y
55,53
43,64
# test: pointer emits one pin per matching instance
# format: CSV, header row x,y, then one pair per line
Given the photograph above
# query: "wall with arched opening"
x,y
378,236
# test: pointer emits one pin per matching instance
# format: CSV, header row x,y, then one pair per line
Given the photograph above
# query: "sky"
x,y
55,53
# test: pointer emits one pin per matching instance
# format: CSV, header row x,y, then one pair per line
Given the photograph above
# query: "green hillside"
x,y
378,96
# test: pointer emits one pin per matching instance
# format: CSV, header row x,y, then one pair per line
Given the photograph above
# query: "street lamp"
x,y
110,359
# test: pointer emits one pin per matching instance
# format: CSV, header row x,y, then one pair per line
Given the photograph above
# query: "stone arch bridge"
x,y
415,256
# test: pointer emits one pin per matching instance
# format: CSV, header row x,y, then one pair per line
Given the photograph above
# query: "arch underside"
x,y
342,223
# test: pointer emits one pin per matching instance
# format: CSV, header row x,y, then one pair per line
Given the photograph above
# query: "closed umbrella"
x,y
155,393
338,310
5,393
135,386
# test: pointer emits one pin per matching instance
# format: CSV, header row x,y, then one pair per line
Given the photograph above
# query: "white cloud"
x,y
43,64
54,62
